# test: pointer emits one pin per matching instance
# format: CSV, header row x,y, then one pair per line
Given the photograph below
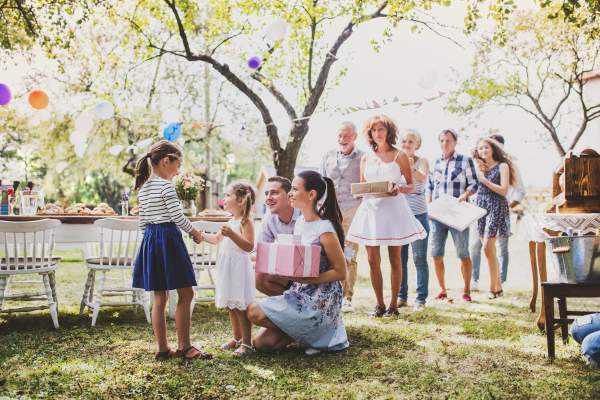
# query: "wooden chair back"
x,y
204,255
119,243
35,238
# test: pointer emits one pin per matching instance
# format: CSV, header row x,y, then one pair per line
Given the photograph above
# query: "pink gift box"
x,y
288,259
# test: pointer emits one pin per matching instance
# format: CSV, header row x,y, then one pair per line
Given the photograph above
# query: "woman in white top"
x,y
310,312
385,221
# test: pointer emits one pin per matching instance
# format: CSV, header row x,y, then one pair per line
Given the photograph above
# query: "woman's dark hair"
x,y
160,150
330,210
388,123
498,155
244,190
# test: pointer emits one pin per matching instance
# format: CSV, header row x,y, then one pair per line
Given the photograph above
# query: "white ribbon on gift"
x,y
307,260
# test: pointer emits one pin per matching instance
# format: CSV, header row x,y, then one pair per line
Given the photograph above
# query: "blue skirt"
x,y
163,261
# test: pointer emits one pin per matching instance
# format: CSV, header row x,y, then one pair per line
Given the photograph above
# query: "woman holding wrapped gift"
x,y
496,173
310,311
386,221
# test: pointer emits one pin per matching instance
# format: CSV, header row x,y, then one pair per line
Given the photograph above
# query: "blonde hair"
x,y
413,132
244,190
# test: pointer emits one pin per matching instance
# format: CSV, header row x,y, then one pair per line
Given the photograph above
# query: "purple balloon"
x,y
4,94
254,62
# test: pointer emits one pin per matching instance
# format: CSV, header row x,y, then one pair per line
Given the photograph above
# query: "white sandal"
x,y
240,351
225,346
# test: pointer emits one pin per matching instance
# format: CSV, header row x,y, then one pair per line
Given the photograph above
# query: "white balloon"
x,y
145,143
428,80
276,31
132,148
84,123
116,149
61,166
463,99
161,130
44,115
77,138
80,149
35,122
181,141
171,115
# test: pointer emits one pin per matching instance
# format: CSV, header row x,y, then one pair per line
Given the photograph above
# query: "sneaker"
x,y
465,297
474,286
441,295
402,303
312,352
347,306
419,307
503,286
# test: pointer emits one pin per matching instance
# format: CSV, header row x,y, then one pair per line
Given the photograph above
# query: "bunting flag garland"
x,y
196,126
384,103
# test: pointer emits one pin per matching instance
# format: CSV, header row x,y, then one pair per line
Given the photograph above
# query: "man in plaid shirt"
x,y
453,174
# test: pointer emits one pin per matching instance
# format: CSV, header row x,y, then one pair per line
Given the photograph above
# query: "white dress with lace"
x,y
235,276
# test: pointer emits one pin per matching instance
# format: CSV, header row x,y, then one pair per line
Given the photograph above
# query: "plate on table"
x,y
214,213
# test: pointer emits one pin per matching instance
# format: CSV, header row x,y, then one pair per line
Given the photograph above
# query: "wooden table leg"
x,y
548,306
534,272
541,260
562,312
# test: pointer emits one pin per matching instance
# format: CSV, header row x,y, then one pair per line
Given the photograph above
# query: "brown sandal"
x,y
163,355
202,355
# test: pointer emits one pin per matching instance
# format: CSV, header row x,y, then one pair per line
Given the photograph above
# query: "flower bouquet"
x,y
188,187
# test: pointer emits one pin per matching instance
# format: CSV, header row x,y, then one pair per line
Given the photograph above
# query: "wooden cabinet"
x,y
576,184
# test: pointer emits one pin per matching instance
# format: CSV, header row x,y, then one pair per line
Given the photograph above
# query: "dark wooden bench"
x,y
561,291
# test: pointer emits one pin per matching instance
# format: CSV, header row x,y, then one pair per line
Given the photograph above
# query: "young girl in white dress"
x,y
235,276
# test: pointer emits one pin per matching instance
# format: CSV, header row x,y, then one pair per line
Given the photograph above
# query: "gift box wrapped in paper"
x,y
371,187
285,258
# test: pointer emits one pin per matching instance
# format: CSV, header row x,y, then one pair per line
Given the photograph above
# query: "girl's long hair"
x,y
498,155
244,190
160,150
330,210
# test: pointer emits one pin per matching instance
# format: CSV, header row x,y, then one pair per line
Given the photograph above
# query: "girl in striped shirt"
x,y
163,262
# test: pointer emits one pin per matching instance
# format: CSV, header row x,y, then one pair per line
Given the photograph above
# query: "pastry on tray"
x,y
135,210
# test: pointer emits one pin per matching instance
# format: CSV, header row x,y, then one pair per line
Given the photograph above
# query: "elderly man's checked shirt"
x,y
453,177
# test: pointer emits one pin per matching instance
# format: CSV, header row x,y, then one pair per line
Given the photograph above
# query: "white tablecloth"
x,y
532,225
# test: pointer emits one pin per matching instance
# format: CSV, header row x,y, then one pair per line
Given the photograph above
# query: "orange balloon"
x,y
38,99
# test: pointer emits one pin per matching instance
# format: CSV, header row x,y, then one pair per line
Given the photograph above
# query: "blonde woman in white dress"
x,y
386,221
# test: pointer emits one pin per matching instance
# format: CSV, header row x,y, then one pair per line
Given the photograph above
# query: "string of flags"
x,y
350,110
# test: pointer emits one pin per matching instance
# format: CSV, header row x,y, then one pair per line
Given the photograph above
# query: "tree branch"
x,y
291,112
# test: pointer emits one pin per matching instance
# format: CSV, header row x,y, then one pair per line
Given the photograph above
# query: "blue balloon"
x,y
104,110
172,131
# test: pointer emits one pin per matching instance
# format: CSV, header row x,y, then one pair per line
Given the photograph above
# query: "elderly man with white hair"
x,y
342,165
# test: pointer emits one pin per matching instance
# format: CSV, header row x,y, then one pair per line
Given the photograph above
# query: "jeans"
x,y
475,250
419,251
586,331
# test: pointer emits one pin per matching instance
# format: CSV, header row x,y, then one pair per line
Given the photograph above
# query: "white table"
x,y
535,228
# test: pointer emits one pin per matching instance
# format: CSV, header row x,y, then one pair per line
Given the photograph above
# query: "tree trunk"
x,y
284,160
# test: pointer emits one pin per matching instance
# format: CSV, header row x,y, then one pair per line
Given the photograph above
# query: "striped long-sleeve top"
x,y
159,204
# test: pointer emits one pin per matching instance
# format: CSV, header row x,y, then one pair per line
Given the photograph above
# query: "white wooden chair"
x,y
36,257
119,242
204,258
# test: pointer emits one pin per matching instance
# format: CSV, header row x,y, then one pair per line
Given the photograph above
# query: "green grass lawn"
x,y
487,349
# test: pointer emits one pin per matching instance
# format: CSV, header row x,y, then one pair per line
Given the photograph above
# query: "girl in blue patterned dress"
x,y
310,311
496,174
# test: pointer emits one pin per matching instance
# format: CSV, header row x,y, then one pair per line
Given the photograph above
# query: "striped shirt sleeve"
x,y
172,203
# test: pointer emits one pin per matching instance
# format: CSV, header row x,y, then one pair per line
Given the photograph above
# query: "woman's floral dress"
x,y
496,223
311,314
